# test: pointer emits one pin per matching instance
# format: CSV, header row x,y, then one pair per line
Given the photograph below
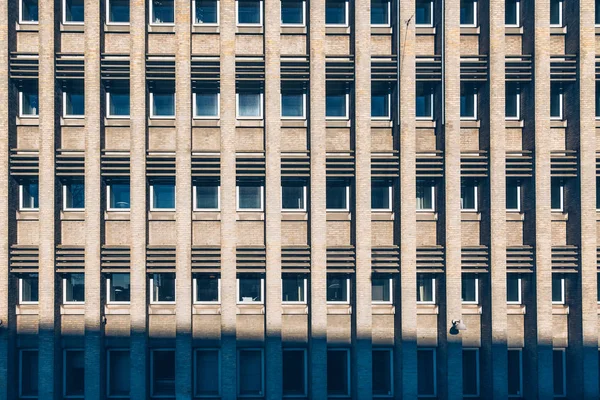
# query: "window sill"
x,y
74,27
470,30
72,215
337,123
383,309
294,309
249,30
470,216
382,215
70,121
206,215
558,30
513,30
28,215
597,29
115,121
427,309
27,309
250,123
513,123
558,123
560,309
117,309
206,122
515,309
157,215
206,309
168,122
293,123
250,216
425,30
337,30
471,309
559,216
116,28
425,123
205,29
381,123
339,309
293,30
294,216
117,215
339,215
161,28
427,216
72,309
515,216
161,309
23,27
470,123
250,309
381,30
28,121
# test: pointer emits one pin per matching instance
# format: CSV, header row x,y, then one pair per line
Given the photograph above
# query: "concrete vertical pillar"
x,y
273,197
49,319
318,222
138,216
94,366
228,203
183,195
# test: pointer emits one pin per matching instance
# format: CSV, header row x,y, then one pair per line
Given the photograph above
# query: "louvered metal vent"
x,y
385,165
474,68
519,164
475,259
565,258
115,163
339,68
519,68
340,165
341,259
564,163
563,68
429,68
384,68
251,259
430,164
295,259
250,164
431,259
206,164
160,258
160,67
69,66
70,163
295,68
70,258
115,258
24,258
114,66
249,68
520,259
385,259
206,68
206,258
295,164
160,164
24,162
24,65
474,164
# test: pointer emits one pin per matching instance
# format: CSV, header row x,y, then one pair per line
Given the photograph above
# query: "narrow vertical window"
x,y
337,194
206,101
117,100
294,373
512,13
425,195
381,95
382,374
513,101
74,100
117,12
162,288
556,101
28,288
73,374
468,101
557,189
556,13
380,12
29,100
468,12
426,376
74,288
559,372
515,373
468,195
249,101
338,372
118,286
513,288
426,288
424,101
206,12
118,382
337,98
162,12
73,195
293,101
470,289
470,372
162,373
73,12
162,100
207,288
558,289
28,373
207,382
28,12
250,372
29,199
424,13
381,195
513,195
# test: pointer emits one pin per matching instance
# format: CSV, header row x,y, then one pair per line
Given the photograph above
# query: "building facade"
x,y
290,198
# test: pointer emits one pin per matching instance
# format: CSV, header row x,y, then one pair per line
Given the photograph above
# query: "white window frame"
x,y
195,292
518,209
305,301
389,16
108,114
152,208
518,24
390,199
262,200
519,285
108,353
21,301
390,301
150,19
562,292
347,112
303,209
64,200
196,116
64,291
433,292
108,300
237,23
564,370
518,116
195,194
475,115
303,24
262,293
303,116
389,106
239,370
345,209
391,352
346,16
108,207
430,116
21,22
561,103
64,368
152,301
152,351
21,208
561,19
21,115
519,396
434,356
348,293
108,22
432,209
261,104
430,25
476,301
194,23
195,370
475,19
64,14
305,371
562,199
478,377
476,197
64,105
152,116
348,373
21,351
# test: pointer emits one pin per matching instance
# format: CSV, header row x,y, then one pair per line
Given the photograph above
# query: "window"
x,y
117,376
74,100
513,195
28,100
249,102
513,288
162,381
293,288
598,285
468,195
468,12
162,288
515,373
293,195
250,288
117,99
556,101
117,193
250,195
381,100
117,12
382,289
162,12
336,12
28,12
513,101
424,101
558,289
338,372
74,288
162,196
73,195
206,12
380,12
470,289
28,288
207,288
28,373
557,189
118,287
29,199
338,194
424,13
338,288
597,7
382,373
556,13
294,372
250,372
207,195
597,98
337,100
468,101
73,374
597,193
249,12
559,372
425,195
470,372
512,13
206,102
293,101
293,12
426,288
162,100
73,11
426,376
207,372
381,195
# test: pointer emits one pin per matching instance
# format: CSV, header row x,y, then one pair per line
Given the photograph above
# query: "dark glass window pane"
x,y
467,12
469,287
425,372
207,195
292,195
336,101
470,373
119,373
248,12
511,14
250,196
163,104
292,12
207,104
74,373
380,101
74,10
557,288
337,373
119,101
512,100
555,12
294,371
382,373
163,289
335,12
119,287
423,14
558,372
75,288
163,373
555,101
30,100
163,11
468,195
292,103
380,195
250,373
512,195
207,373
207,288
163,195
118,11
514,373
30,195
74,101
513,293
29,373
424,195
206,11
424,100
336,195
29,288
337,288
380,12
292,287
249,104
250,288
119,195
74,195
381,288
467,101
425,288
556,194
29,11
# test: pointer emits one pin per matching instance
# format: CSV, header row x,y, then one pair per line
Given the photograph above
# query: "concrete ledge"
x,y
294,309
206,309
117,309
383,309
250,309
161,309
339,309
72,309
27,309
